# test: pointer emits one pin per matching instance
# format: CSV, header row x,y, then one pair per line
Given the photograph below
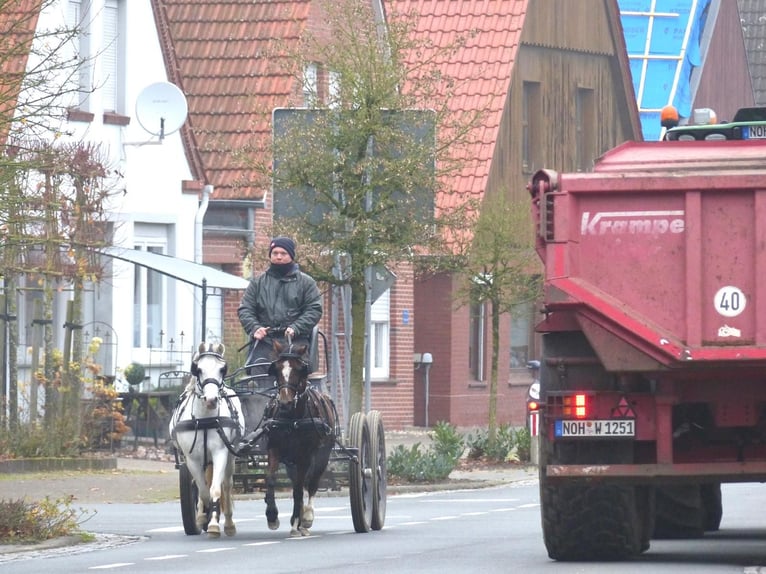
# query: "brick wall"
x,y
443,330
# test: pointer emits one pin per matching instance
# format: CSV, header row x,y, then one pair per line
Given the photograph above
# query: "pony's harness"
x,y
206,423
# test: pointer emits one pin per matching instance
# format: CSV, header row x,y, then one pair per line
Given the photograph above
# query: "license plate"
x,y
606,428
754,132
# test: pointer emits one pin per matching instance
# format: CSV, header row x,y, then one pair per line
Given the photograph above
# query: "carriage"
x,y
356,461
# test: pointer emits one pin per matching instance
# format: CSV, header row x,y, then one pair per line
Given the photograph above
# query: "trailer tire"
x,y
680,512
713,505
590,522
586,521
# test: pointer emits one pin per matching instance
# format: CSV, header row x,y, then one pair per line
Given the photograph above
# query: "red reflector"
x,y
532,406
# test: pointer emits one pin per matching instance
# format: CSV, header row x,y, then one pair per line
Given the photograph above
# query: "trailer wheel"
x,y
189,495
713,504
680,512
590,522
379,472
585,521
360,474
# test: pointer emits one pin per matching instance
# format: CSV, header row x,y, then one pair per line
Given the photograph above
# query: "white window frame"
x,y
380,339
142,338
99,48
77,17
311,84
109,57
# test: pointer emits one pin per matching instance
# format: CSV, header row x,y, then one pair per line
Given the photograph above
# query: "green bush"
x,y
134,373
510,445
414,465
447,441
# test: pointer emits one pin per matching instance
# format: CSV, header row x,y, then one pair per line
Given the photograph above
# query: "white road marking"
x,y
214,550
111,566
167,557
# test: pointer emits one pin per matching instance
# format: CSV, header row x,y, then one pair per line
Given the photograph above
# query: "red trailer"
x,y
653,374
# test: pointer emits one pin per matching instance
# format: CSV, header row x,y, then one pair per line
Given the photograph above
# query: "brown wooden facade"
x,y
570,99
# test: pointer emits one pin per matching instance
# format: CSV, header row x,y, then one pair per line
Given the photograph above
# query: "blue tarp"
x,y
662,56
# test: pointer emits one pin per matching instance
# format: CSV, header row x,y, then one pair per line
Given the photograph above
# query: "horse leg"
x,y
214,488
217,475
296,520
312,485
203,502
227,501
272,513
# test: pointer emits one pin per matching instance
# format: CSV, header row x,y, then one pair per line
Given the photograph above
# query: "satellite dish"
x,y
161,108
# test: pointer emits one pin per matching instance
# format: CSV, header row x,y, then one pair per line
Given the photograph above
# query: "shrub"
x,y
509,445
448,441
415,465
22,521
134,373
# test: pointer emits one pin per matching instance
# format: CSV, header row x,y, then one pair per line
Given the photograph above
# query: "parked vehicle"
x,y
654,337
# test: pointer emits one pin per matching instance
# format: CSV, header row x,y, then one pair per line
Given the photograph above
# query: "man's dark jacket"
x,y
292,300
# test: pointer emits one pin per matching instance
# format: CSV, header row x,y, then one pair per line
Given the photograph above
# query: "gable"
x,y
216,53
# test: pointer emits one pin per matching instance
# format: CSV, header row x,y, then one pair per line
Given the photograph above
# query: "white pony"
x,y
205,425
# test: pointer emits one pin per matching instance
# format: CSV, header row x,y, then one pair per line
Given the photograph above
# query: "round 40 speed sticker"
x,y
730,301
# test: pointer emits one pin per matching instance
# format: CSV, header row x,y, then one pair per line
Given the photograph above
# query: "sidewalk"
x,y
149,475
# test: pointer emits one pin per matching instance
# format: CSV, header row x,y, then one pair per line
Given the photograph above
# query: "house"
x,y
222,55
119,98
555,82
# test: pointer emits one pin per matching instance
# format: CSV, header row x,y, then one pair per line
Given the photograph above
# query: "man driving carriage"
x,y
281,302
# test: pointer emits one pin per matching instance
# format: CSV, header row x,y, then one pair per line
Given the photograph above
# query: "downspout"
x,y
206,191
199,311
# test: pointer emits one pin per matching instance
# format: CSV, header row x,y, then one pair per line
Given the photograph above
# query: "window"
x,y
333,90
77,20
109,56
310,85
98,49
530,125
148,303
584,124
380,321
476,341
522,335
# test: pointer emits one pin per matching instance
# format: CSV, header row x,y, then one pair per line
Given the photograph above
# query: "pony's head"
x,y
209,369
290,370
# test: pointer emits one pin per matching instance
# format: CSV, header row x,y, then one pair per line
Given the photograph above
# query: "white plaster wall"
x,y
151,184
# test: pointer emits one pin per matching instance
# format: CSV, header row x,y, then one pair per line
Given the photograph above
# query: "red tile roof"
x,y
481,68
214,51
18,21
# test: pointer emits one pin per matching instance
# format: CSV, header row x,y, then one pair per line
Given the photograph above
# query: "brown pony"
x,y
301,427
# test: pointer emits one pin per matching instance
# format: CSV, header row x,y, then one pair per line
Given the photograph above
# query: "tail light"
x,y
576,406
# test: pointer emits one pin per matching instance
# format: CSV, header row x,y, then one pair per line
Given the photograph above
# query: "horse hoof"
x,y
307,519
213,531
304,531
295,533
229,530
274,525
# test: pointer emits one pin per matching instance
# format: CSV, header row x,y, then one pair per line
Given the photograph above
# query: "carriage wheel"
x,y
379,473
189,500
360,474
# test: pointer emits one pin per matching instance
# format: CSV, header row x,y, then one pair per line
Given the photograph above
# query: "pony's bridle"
x,y
201,384
302,379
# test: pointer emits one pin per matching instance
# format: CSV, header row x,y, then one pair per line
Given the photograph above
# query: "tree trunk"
x,y
493,374
356,384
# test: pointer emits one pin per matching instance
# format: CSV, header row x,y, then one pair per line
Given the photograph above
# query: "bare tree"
x,y
500,267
